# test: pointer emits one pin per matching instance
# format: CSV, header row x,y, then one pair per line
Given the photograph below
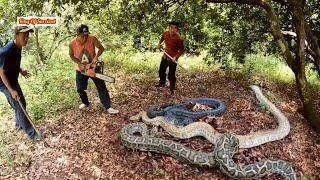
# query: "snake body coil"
x,y
207,131
227,146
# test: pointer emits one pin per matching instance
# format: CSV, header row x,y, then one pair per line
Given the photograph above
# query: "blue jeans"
x,y
82,83
21,120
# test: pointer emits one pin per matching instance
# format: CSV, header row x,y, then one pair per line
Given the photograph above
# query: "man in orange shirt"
x,y
173,47
82,52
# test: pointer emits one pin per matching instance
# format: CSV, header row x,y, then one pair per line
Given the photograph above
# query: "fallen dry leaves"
x,y
85,145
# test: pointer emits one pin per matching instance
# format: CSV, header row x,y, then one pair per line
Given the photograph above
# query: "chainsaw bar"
x,y
98,73
102,77
105,78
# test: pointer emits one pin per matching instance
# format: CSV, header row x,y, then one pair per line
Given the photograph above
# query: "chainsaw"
x,y
97,72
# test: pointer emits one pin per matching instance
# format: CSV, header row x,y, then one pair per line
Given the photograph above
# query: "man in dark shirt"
x,y
174,48
10,60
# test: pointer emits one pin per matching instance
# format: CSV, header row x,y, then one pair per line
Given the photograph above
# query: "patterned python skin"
x,y
226,146
207,131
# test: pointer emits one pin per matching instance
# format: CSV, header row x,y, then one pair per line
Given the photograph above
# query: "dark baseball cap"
x,y
23,29
175,23
83,29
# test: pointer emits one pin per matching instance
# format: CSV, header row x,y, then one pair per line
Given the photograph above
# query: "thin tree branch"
x,y
250,2
57,45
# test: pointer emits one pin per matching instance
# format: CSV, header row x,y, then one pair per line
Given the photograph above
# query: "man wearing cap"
x,y
174,48
82,52
10,60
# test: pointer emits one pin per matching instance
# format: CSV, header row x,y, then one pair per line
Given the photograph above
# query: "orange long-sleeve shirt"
x,y
174,44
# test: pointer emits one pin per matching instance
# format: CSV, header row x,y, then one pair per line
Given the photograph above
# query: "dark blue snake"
x,y
178,115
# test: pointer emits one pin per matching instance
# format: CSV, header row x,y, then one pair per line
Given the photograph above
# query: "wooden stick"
x,y
29,119
174,61
27,115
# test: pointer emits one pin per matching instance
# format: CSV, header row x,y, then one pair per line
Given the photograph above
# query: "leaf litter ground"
x,y
85,144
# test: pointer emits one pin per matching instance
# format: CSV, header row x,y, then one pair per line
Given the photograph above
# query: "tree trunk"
x,y
318,71
297,64
40,59
310,112
316,64
314,39
315,61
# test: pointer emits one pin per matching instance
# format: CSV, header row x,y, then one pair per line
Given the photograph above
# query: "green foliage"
x,y
315,13
145,63
313,78
271,67
217,34
239,30
223,29
159,172
10,10
262,107
226,31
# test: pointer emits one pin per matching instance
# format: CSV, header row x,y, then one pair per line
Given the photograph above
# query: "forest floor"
x,y
85,144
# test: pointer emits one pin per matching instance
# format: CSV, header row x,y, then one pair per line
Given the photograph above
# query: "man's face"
x,y
173,29
22,38
82,38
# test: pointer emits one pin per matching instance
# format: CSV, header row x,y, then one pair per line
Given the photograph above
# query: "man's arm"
x,y
71,54
97,44
6,82
24,73
160,42
181,49
74,59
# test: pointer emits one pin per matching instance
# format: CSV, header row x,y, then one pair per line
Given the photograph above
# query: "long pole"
x,y
27,115
29,119
174,61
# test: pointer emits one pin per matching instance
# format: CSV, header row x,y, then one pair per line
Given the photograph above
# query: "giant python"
x,y
207,131
226,145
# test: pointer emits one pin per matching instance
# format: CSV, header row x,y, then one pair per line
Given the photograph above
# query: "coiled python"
x,y
207,131
226,146
178,115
